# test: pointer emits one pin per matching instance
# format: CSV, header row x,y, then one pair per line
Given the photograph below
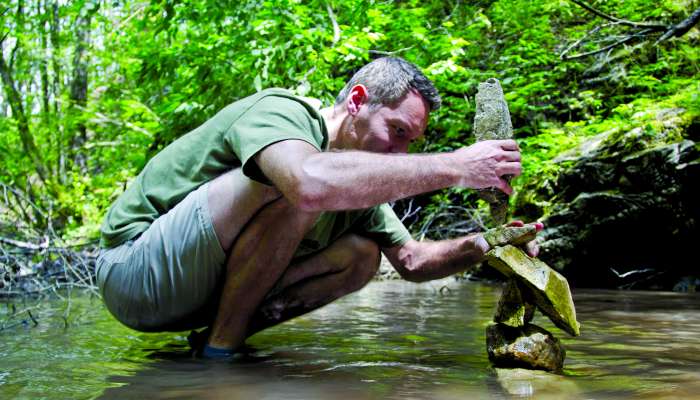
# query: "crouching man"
x,y
275,207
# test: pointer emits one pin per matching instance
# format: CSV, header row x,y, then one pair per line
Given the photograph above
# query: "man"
x,y
273,208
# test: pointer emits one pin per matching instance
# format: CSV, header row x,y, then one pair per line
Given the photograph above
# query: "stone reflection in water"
x,y
528,383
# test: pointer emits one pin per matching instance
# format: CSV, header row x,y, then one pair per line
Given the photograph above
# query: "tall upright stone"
x,y
492,121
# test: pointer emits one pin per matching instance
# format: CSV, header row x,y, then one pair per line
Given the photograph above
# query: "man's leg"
x,y
259,256
261,251
344,267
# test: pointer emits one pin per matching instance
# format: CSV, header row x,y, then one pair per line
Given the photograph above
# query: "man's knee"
x,y
365,260
233,199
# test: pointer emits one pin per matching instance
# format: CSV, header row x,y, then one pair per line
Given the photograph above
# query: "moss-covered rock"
x,y
548,289
620,207
515,235
514,307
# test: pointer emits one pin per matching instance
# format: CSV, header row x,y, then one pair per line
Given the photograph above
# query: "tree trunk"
x,y
14,97
43,64
19,115
79,85
55,28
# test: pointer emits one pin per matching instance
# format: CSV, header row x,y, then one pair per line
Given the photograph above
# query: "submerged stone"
x,y
514,309
530,347
548,289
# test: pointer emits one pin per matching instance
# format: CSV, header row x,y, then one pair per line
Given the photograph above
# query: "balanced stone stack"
x,y
513,341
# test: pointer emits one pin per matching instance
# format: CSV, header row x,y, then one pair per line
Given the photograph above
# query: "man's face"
x,y
390,129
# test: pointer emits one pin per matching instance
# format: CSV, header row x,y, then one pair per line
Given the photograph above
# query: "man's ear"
x,y
357,98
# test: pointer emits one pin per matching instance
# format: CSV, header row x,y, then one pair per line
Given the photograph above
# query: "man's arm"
x,y
319,181
423,261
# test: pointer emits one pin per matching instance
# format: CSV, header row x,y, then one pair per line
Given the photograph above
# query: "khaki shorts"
x,y
170,277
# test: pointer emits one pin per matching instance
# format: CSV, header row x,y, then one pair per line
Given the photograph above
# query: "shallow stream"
x,y
390,340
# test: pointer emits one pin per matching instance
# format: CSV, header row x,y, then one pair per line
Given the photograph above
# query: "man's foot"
x,y
215,353
198,343
197,340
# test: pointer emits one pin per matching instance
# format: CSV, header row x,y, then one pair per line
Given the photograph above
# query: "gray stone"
x,y
548,289
492,118
514,309
492,121
530,347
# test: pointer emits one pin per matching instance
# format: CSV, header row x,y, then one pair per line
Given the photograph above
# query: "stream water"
x,y
390,340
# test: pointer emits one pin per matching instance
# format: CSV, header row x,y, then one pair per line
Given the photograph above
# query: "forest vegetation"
x,y
92,89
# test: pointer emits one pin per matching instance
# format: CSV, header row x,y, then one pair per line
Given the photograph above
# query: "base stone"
x,y
528,347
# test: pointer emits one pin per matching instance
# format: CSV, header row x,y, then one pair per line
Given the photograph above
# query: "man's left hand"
x,y
515,233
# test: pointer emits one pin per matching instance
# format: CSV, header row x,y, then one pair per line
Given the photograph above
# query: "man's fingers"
x,y
532,248
511,156
504,187
516,223
508,144
509,168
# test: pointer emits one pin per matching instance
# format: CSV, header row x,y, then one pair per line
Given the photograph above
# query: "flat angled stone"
x,y
513,308
515,235
548,289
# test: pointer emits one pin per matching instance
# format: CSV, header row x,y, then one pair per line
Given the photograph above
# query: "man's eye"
x,y
400,132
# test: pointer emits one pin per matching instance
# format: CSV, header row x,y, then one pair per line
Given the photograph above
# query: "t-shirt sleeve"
x,y
382,225
271,119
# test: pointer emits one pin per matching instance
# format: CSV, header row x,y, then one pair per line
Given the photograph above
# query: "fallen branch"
x,y
24,245
641,31
34,261
681,28
620,21
606,48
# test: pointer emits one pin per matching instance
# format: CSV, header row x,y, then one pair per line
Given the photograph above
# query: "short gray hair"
x,y
387,79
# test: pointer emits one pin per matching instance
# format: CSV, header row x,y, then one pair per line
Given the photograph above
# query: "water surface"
x,y
390,340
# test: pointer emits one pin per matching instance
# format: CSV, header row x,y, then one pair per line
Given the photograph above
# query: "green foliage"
x,y
158,69
640,124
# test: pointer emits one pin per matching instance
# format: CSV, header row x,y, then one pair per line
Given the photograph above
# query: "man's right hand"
x,y
483,164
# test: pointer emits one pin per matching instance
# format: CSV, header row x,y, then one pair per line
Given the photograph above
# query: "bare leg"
x,y
259,257
233,200
344,267
263,234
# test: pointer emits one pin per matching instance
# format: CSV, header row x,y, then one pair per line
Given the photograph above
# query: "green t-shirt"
x,y
230,140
